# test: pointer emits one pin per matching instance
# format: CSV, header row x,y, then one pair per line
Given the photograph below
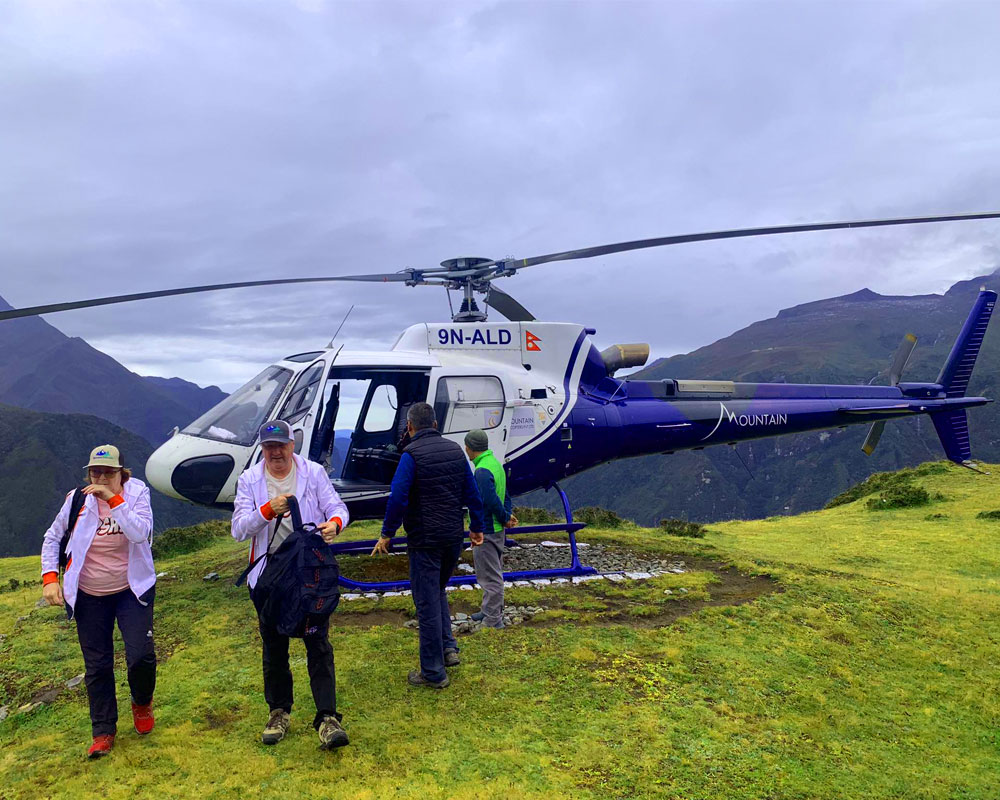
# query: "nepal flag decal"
x,y
531,342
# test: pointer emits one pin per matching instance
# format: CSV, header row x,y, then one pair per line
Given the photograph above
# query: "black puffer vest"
x,y
434,515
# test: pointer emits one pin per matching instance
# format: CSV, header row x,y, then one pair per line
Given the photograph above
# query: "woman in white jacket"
x,y
109,576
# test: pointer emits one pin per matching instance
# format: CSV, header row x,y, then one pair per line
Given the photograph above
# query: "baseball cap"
x,y
106,455
477,440
277,430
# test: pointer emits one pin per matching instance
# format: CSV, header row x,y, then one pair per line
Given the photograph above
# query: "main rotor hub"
x,y
465,263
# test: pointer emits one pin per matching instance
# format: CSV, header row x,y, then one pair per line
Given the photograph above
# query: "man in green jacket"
x,y
488,557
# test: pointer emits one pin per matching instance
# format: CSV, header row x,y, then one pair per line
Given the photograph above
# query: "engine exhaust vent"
x,y
620,356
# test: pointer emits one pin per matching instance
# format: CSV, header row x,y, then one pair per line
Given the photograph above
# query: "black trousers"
x,y
95,627
278,675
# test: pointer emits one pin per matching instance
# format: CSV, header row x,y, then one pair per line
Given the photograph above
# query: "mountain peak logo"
x,y
531,342
746,420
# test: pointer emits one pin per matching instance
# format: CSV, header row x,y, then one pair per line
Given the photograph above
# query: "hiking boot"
x,y
101,746
142,718
277,727
478,616
451,658
416,678
331,733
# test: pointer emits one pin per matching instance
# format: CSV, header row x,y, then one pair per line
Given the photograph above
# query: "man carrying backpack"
x,y
262,514
432,486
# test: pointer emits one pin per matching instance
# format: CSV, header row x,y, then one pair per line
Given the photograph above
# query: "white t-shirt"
x,y
276,486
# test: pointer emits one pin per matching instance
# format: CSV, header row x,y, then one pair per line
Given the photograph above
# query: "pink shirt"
x,y
105,568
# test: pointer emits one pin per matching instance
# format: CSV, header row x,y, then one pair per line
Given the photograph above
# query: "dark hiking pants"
x,y
430,570
95,625
319,662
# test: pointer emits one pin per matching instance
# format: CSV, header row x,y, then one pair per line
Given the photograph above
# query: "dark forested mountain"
x,y
848,339
45,370
42,457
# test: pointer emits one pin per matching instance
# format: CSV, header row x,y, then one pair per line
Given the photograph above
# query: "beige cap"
x,y
105,456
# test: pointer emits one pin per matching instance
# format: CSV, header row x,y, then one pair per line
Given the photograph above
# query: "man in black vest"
x,y
432,486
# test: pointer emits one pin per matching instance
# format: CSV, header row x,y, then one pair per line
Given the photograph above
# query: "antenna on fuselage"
x,y
339,327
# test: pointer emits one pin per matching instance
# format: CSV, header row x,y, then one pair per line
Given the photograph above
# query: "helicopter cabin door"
x,y
361,423
465,402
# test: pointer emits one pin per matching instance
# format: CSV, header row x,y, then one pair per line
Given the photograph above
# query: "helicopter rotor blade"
x,y
390,277
508,306
902,356
874,434
642,244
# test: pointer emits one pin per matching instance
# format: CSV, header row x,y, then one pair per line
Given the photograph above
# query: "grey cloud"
x,y
163,145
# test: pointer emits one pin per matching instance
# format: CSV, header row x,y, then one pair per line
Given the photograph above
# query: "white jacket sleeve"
x,y
247,519
53,536
329,500
135,517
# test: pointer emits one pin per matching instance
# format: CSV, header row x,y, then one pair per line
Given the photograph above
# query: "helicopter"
x,y
546,396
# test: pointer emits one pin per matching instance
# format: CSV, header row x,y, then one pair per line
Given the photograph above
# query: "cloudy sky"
x,y
148,145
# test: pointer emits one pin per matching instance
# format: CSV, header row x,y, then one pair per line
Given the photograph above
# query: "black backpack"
x,y
299,587
75,506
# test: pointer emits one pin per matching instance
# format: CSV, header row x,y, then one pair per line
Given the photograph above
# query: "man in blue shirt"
x,y
432,486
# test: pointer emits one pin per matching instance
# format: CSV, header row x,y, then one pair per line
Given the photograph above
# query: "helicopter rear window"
x,y
468,401
238,418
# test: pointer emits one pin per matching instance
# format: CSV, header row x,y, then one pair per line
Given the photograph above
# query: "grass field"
x,y
865,667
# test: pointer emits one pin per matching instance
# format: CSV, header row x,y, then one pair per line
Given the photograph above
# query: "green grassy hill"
x,y
869,672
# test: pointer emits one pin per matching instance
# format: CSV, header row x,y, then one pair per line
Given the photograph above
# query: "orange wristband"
x,y
50,577
339,521
266,511
116,501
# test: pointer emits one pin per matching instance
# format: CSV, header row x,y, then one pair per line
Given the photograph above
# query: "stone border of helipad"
x,y
537,583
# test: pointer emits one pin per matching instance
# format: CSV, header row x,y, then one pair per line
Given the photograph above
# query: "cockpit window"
x,y
300,400
238,418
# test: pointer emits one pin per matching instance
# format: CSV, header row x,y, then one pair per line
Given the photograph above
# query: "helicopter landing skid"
x,y
575,568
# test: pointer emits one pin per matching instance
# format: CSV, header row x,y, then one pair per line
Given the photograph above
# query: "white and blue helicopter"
x,y
546,396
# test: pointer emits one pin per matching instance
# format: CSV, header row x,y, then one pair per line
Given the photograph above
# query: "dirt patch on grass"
x,y
650,610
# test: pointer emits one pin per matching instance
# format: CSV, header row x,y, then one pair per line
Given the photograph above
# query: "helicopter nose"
x,y
198,478
201,479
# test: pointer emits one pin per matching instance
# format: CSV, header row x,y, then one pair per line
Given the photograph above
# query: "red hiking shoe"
x,y
142,718
101,746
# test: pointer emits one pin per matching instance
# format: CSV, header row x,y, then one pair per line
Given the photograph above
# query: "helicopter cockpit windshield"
x,y
238,418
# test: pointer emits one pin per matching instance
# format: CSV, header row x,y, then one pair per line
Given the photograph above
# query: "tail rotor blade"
x,y
902,356
874,434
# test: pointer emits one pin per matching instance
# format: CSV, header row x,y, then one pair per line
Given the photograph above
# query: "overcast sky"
x,y
148,145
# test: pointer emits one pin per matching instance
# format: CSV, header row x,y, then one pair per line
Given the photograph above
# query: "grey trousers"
x,y
488,559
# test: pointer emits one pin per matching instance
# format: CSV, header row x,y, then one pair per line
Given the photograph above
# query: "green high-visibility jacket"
x,y
492,483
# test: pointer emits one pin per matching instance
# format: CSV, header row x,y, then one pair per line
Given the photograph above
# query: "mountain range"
x,y
59,398
849,339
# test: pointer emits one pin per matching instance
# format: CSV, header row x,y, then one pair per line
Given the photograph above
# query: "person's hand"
x,y
476,537
512,522
99,491
328,530
382,546
52,593
279,504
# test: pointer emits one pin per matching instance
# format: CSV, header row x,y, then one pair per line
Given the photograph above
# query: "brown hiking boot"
x,y
451,658
416,678
331,733
277,727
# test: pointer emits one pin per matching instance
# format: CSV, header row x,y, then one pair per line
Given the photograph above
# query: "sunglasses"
x,y
102,472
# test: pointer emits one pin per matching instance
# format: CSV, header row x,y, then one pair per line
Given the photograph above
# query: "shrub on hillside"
x,y
988,515
535,516
905,495
883,481
178,541
681,527
597,517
